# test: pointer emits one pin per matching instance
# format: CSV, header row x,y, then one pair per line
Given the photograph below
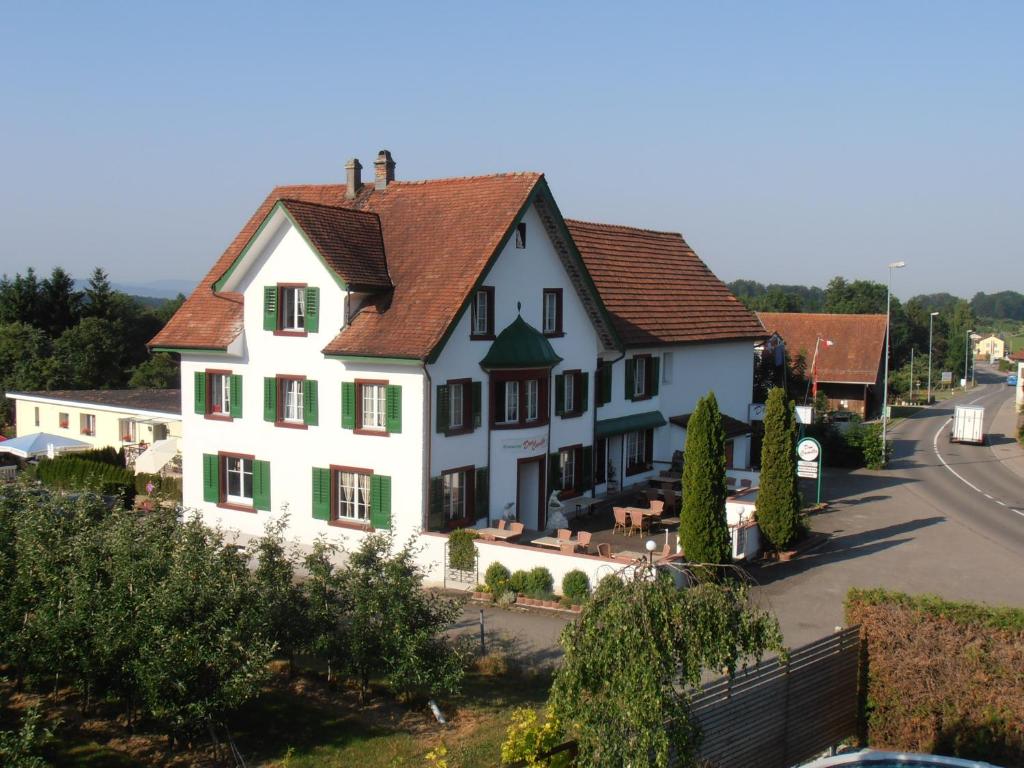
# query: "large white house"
x,y
427,355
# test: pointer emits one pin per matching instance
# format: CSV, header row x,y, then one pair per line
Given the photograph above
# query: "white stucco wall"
x,y
108,432
284,257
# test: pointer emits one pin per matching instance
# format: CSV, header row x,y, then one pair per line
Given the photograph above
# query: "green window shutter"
x,y
483,494
312,310
269,399
443,405
211,478
321,493
435,517
554,473
606,384
588,468
270,308
236,396
477,403
261,484
380,502
393,408
310,403
584,392
560,394
630,372
200,392
348,405
655,378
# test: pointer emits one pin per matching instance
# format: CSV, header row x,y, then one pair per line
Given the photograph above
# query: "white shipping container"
x,y
968,425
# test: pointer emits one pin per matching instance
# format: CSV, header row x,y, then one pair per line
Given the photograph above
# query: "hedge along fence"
x,y
941,677
170,487
71,473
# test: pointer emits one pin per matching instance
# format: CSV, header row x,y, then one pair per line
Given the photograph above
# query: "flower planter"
x,y
576,608
551,604
482,596
786,555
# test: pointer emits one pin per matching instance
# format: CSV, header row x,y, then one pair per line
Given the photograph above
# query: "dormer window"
x,y
521,234
643,375
291,309
552,320
482,314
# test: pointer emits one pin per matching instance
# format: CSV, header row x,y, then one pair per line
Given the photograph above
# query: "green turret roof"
x,y
520,345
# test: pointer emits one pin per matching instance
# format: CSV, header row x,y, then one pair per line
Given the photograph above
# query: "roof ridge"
x,y
625,227
501,175
328,206
823,314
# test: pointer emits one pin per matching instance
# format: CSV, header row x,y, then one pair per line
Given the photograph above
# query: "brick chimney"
x,y
383,170
353,178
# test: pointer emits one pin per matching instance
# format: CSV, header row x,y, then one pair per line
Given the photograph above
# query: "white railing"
x,y
8,473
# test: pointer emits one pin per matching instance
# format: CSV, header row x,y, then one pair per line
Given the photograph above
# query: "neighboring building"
x,y
849,370
427,355
132,419
991,347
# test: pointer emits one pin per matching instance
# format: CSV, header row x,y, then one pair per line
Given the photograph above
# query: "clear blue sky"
x,y
788,141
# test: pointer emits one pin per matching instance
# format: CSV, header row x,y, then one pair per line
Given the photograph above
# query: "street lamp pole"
x,y
885,380
967,351
931,322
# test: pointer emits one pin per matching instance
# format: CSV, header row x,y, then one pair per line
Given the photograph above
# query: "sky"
x,y
788,141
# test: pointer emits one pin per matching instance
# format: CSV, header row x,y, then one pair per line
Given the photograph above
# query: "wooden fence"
x,y
776,715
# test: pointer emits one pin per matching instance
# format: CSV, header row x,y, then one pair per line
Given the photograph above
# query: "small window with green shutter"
x,y
261,484
477,403
270,308
380,502
200,392
443,417
270,398
655,378
348,405
312,310
211,478
310,403
321,493
394,408
235,389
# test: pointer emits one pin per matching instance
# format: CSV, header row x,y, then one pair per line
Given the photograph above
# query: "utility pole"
x,y
885,382
911,374
931,319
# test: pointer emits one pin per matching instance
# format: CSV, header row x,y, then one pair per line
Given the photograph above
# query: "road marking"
x,y
989,496
1019,512
935,445
1000,503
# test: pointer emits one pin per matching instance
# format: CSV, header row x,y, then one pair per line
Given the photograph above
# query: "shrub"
x,y
497,578
72,473
517,582
972,657
169,487
778,501
506,599
870,442
703,528
493,664
539,581
461,550
528,737
576,586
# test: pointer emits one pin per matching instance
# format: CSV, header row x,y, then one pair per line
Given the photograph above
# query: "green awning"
x,y
632,423
520,345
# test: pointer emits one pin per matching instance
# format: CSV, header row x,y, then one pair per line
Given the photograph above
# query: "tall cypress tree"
x,y
703,531
778,500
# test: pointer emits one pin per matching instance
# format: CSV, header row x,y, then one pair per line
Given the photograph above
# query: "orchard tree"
x,y
703,530
633,655
279,611
778,500
322,596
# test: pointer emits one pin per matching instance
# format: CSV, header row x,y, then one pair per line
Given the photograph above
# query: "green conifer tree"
x,y
778,500
703,531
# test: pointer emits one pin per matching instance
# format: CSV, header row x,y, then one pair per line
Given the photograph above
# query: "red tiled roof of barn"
x,y
657,290
859,341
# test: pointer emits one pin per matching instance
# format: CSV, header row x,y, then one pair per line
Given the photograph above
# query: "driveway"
x,y
952,526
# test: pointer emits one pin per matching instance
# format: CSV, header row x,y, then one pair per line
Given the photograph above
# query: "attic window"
x,y
521,234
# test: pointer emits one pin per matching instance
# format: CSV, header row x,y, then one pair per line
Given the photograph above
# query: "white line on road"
x,y
935,445
1019,512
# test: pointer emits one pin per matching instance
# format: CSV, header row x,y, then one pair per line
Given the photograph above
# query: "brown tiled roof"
x,y
657,290
438,236
350,241
144,399
856,354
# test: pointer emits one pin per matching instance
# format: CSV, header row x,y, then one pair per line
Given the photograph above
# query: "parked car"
x,y
1011,380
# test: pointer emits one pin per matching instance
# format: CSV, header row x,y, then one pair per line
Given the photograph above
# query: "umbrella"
x,y
38,444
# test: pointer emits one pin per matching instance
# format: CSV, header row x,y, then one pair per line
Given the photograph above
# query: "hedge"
x,y
941,677
169,487
72,473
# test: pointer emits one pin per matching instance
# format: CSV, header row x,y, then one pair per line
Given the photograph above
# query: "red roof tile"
x,y
859,341
657,290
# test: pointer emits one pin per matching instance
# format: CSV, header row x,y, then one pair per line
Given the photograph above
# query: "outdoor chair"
x,y
604,550
517,529
583,540
620,519
501,524
636,521
567,547
652,494
745,482
564,534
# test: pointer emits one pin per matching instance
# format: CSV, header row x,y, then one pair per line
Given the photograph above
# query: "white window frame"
x,y
567,467
64,420
511,414
87,424
292,405
237,472
481,313
569,393
293,308
456,405
220,394
352,496
667,359
639,376
454,485
550,312
132,430
636,445
373,407
532,399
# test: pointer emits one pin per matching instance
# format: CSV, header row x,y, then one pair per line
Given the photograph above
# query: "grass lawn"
x,y
304,723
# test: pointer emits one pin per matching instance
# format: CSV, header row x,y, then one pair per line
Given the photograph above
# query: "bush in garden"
x,y
527,737
518,582
461,551
539,581
778,500
496,577
576,586
703,530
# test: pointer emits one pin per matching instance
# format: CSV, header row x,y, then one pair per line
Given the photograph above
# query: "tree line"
x,y
54,336
174,625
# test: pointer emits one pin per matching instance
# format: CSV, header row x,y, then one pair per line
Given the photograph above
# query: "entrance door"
x,y
528,492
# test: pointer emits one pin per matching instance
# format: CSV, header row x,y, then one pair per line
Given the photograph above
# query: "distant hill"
x,y
156,290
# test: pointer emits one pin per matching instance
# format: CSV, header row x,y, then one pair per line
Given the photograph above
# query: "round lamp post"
x,y
650,546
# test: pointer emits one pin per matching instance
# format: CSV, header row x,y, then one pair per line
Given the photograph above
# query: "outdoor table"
x,y
630,554
553,543
647,512
500,534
